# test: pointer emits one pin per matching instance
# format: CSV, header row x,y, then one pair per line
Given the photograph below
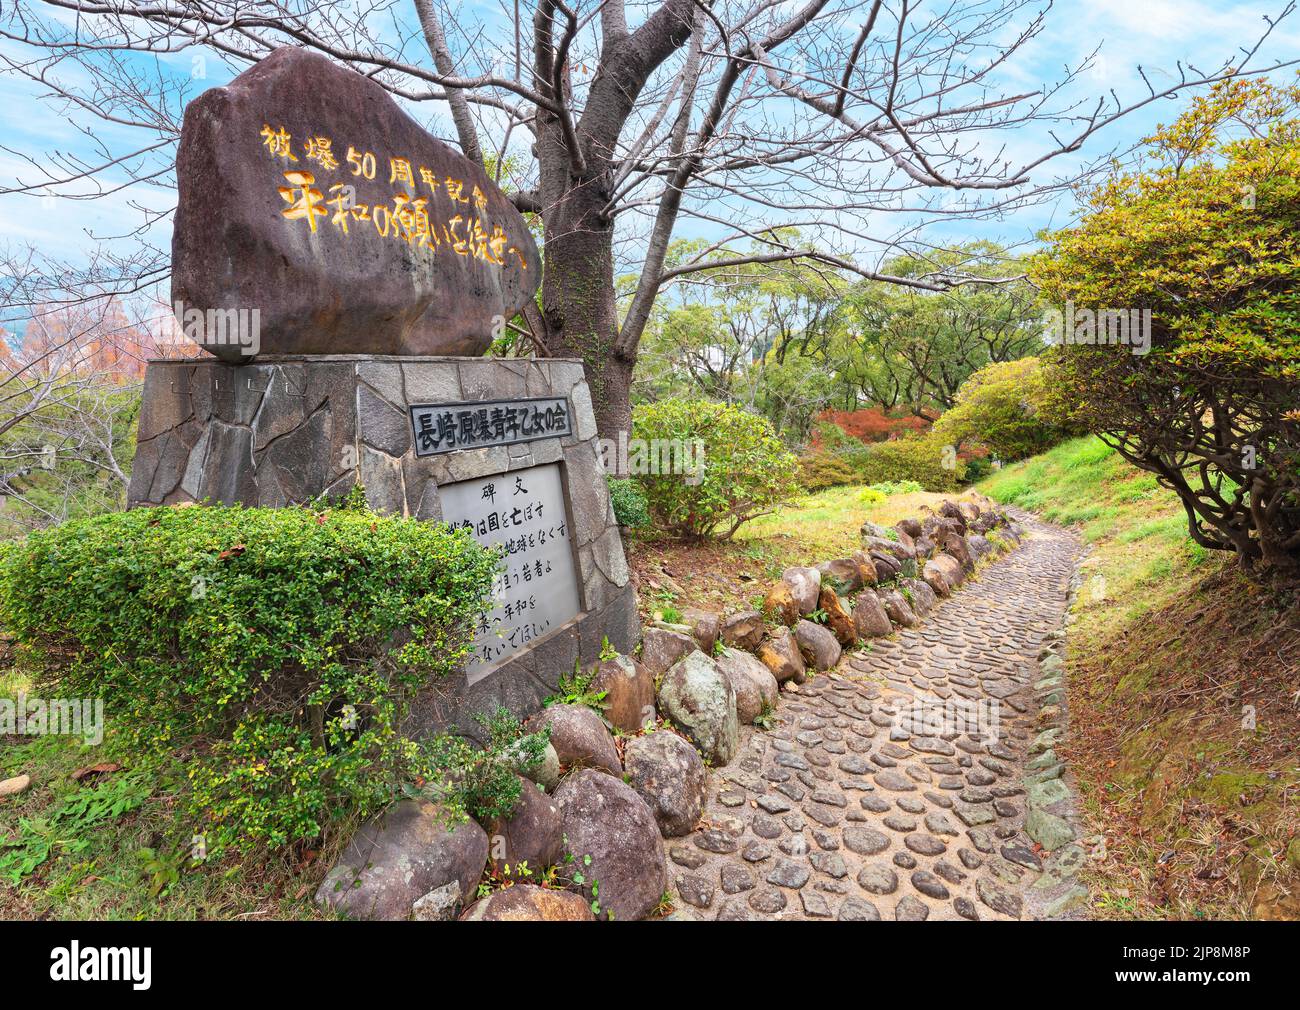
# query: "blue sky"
x,y
1154,33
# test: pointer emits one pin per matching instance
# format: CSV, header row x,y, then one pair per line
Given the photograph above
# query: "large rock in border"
x,y
960,549
948,567
661,648
923,596
698,698
866,567
579,737
531,834
779,604
980,545
818,646
895,547
669,775
805,584
530,903
838,618
934,577
399,857
951,510
888,567
780,654
629,688
843,575
751,680
899,610
614,839
705,627
870,617
743,630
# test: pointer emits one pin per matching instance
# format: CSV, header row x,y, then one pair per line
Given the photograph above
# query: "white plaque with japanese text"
x,y
537,591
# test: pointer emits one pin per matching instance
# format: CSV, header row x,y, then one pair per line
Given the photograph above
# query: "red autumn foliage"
x,y
101,336
870,424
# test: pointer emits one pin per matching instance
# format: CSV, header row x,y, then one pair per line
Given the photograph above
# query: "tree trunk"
x,y
578,300
579,308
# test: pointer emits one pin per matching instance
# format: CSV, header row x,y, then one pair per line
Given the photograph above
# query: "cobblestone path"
x,y
840,813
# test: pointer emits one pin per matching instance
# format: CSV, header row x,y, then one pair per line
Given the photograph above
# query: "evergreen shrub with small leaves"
x,y
275,650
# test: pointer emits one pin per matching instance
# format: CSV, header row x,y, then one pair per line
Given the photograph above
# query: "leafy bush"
x,y
893,487
837,458
747,471
481,782
819,470
977,468
1204,238
279,648
1002,407
630,506
827,461
916,458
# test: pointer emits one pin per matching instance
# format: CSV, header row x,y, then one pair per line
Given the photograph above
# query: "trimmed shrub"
x,y
820,470
278,648
631,510
825,463
916,458
1002,407
747,471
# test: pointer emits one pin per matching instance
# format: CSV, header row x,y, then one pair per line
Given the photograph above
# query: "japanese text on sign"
x,y
426,211
445,427
521,513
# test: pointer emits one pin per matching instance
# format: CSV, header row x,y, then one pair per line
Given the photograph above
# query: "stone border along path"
x,y
839,813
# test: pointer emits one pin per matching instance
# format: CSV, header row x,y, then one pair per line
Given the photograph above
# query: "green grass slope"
x,y
1184,716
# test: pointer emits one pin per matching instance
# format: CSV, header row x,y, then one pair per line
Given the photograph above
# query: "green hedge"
x,y
276,649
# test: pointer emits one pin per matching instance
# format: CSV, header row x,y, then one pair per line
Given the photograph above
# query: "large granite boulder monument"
x,y
349,270
307,195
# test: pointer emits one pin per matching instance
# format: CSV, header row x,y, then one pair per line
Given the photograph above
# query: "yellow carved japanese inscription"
x,y
320,150
303,197
409,215
278,143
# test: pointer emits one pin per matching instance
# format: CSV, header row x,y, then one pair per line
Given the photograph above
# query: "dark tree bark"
x,y
577,164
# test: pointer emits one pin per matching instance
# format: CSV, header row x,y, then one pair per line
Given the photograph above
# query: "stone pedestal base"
x,y
283,431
